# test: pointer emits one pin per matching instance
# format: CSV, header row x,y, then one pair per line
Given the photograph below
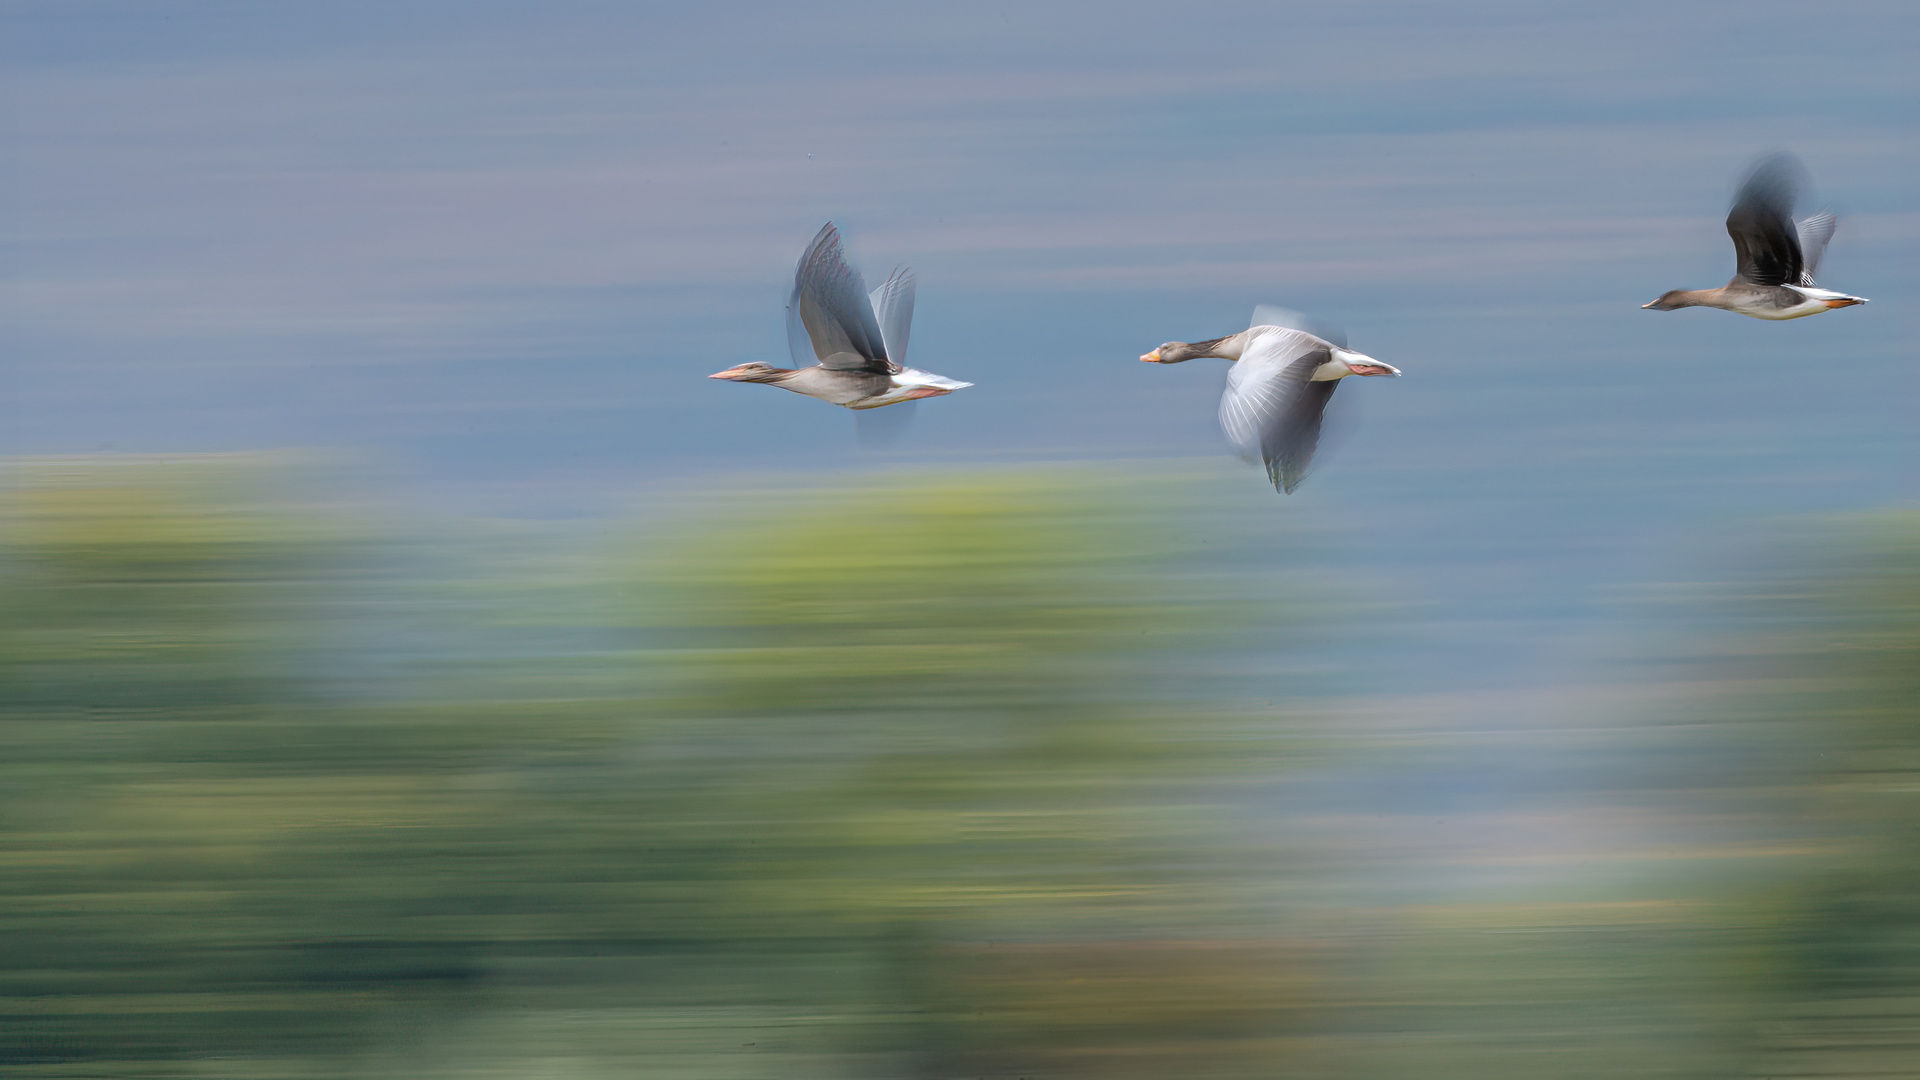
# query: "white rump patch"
x,y
911,377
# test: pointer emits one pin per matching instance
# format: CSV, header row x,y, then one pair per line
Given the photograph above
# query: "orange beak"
x,y
1843,303
727,374
1152,357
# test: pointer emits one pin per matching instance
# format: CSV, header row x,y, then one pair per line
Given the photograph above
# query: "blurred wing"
x,y
882,429
893,308
830,304
1814,234
799,345
1272,409
1287,318
1766,245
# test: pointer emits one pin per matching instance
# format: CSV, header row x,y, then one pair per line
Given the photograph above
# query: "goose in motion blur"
x,y
857,338
1277,389
1775,259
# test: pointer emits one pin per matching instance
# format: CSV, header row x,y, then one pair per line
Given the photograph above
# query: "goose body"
x,y
1277,391
858,338
1775,257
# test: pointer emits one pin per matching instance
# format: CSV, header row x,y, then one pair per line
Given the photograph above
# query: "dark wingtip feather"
x,y
1284,480
1766,243
1774,181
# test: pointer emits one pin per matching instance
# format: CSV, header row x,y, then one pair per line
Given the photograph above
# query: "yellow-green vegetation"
x,y
820,781
1840,655
938,777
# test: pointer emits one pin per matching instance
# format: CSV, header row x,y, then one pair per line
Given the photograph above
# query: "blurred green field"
x,y
899,778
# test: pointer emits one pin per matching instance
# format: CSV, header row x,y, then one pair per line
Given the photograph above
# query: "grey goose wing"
x,y
1272,408
829,311
1766,244
883,429
1814,233
1287,318
893,309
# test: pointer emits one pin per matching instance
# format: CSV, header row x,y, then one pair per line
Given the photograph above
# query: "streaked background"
x,y
412,667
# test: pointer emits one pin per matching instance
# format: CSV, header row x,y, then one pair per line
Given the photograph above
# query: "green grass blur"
x,y
956,778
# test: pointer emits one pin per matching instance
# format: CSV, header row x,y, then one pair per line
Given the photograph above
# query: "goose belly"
x,y
1789,302
911,385
845,388
1800,310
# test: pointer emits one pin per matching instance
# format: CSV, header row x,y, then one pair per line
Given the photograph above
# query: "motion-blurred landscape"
x,y
411,666
994,776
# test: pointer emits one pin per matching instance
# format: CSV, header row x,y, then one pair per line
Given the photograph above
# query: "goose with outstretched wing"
x,y
857,339
1774,257
1277,390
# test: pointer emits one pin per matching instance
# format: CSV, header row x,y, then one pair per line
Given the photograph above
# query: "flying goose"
x,y
1775,259
1277,389
858,338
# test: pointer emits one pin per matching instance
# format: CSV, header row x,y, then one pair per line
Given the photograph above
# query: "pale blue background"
x,y
496,247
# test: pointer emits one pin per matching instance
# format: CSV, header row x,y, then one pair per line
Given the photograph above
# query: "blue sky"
x,y
496,247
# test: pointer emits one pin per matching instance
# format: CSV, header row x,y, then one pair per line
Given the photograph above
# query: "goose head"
x,y
1178,352
750,372
1672,299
